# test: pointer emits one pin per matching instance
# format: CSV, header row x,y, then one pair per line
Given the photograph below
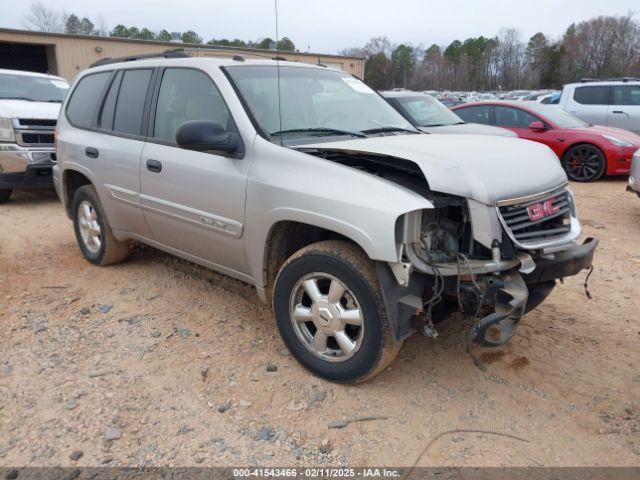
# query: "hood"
x,y
620,133
480,167
470,128
26,109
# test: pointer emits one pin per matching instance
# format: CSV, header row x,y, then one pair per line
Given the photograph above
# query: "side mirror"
x,y
207,136
537,126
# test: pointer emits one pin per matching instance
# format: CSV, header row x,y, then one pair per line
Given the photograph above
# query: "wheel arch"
x,y
285,237
72,180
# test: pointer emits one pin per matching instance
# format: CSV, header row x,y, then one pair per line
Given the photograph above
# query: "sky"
x,y
327,26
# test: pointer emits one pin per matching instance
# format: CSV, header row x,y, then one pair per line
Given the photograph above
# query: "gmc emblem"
x,y
538,211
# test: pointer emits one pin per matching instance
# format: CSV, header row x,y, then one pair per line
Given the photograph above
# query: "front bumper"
x,y
26,167
564,263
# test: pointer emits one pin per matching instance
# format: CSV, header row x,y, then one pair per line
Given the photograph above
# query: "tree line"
x,y
47,19
602,47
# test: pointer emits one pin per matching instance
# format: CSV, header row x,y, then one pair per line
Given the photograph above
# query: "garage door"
x,y
20,56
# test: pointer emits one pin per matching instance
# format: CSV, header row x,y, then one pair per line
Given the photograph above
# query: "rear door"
x,y
590,103
625,109
193,202
108,110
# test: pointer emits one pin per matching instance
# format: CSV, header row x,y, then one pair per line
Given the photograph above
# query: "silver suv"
x,y
614,103
304,182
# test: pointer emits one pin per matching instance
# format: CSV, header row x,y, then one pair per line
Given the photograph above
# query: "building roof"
x,y
172,44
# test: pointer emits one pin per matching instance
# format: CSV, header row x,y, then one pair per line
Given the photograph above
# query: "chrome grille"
x,y
542,219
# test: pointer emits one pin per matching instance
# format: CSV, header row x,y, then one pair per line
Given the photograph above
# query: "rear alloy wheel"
x,y
584,163
5,195
93,233
329,309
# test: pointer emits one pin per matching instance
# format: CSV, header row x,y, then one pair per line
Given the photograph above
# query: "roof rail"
x,y
616,79
623,79
171,53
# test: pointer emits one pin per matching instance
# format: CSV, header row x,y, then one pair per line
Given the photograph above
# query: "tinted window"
x,y
592,95
130,103
626,95
513,117
478,114
84,101
187,95
109,107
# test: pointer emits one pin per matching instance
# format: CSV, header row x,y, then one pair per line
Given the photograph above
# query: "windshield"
x,y
561,118
313,102
34,89
427,111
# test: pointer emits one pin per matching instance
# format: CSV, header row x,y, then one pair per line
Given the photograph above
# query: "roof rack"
x,y
171,53
619,79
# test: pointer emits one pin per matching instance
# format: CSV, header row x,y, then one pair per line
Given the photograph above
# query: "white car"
x,y
614,103
29,107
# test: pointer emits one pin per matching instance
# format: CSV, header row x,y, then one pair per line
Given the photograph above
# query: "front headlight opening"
x,y
6,130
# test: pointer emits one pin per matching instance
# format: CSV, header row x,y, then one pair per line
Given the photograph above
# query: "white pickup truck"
x,y
29,107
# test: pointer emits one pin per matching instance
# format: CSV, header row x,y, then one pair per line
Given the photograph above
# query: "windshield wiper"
x,y
53,101
387,129
330,131
18,98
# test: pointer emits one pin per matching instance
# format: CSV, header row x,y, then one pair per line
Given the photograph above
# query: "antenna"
x,y
275,2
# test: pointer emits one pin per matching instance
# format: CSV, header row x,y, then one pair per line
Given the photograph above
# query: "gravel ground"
x,y
159,362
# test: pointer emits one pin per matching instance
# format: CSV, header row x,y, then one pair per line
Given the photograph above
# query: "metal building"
x,y
66,55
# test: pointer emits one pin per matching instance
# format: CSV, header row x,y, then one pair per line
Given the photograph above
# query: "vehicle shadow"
x,y
32,197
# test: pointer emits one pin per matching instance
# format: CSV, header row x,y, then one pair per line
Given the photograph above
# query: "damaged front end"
x,y
492,263
493,260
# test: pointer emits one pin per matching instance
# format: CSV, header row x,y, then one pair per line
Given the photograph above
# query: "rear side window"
x,y
106,116
626,95
83,103
595,95
130,104
478,114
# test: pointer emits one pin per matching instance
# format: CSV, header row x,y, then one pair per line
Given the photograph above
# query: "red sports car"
x,y
587,152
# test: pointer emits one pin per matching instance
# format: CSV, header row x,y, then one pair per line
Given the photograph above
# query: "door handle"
x,y
154,166
619,111
91,152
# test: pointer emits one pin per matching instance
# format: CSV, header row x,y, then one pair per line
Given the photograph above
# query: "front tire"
x,y
329,310
5,195
93,233
584,163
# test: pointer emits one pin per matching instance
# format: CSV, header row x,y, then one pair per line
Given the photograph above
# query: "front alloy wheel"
x,y
329,309
326,317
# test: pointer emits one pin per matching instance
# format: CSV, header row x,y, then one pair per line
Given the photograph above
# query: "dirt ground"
x,y
159,362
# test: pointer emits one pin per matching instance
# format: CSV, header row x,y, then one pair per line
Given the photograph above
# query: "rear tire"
x,y
93,233
584,163
5,195
348,303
